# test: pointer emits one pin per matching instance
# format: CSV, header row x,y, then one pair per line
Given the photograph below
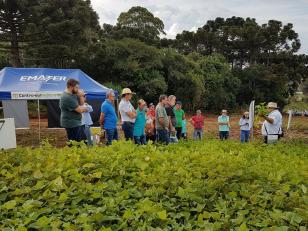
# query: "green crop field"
x,y
208,185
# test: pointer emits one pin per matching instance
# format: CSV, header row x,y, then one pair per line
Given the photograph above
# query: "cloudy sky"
x,y
179,15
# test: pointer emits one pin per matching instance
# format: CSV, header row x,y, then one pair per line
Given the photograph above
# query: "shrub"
x,y
207,185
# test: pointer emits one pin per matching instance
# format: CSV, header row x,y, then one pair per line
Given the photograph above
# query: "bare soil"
x,y
57,137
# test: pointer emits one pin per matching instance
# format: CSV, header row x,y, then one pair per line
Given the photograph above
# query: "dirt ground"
x,y
57,137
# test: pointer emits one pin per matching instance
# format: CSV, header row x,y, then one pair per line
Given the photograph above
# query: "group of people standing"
x,y
271,127
164,123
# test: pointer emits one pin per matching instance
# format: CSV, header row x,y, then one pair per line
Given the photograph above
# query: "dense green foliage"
x,y
224,64
208,185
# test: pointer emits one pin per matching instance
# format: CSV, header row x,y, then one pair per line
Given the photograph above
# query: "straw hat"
x,y
127,91
272,105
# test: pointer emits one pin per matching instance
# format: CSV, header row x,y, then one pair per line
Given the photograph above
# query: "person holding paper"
x,y
244,126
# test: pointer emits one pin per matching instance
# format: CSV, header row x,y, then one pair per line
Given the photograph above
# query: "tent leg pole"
x,y
39,120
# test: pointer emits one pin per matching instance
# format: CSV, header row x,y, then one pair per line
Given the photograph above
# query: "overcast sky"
x,y
179,15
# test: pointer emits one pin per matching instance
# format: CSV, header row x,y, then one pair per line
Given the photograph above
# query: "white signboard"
x,y
251,114
290,118
36,95
7,133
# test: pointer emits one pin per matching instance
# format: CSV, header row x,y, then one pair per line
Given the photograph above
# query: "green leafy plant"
x,y
260,110
208,185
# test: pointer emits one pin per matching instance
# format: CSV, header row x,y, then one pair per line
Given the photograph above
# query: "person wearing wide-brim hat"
x,y
271,127
128,113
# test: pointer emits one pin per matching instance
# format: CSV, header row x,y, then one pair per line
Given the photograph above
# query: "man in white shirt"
x,y
271,127
128,113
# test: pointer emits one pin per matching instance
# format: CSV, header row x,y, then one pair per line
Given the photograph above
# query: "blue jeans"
x,y
140,140
163,136
87,131
111,134
223,135
128,129
198,133
245,136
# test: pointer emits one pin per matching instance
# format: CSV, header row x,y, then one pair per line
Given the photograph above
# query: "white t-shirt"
x,y
275,127
126,106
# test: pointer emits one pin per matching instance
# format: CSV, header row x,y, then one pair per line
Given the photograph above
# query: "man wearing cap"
x,y
180,116
271,127
128,113
139,134
224,125
108,118
198,124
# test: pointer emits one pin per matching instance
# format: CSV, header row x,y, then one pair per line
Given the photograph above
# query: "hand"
x,y
80,93
261,115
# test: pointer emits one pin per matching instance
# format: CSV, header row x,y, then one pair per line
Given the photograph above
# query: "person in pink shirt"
x,y
198,123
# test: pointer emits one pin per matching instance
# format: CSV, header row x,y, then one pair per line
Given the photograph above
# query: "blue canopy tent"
x,y
45,83
48,85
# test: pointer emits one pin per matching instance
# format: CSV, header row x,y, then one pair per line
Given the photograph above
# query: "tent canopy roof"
x,y
45,83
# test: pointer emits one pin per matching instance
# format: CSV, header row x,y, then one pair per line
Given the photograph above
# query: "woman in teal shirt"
x,y
139,126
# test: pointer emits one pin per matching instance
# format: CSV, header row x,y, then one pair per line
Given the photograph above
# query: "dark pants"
x,y
140,140
245,136
151,136
198,133
128,129
75,134
223,135
178,133
163,136
111,134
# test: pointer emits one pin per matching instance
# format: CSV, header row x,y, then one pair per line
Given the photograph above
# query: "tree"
x,y
242,41
4,60
66,29
263,84
137,23
15,15
219,82
128,63
183,79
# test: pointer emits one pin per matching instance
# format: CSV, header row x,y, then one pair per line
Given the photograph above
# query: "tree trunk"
x,y
15,52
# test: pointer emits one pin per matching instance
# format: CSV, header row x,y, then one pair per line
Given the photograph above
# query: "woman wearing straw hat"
x,y
271,127
128,113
